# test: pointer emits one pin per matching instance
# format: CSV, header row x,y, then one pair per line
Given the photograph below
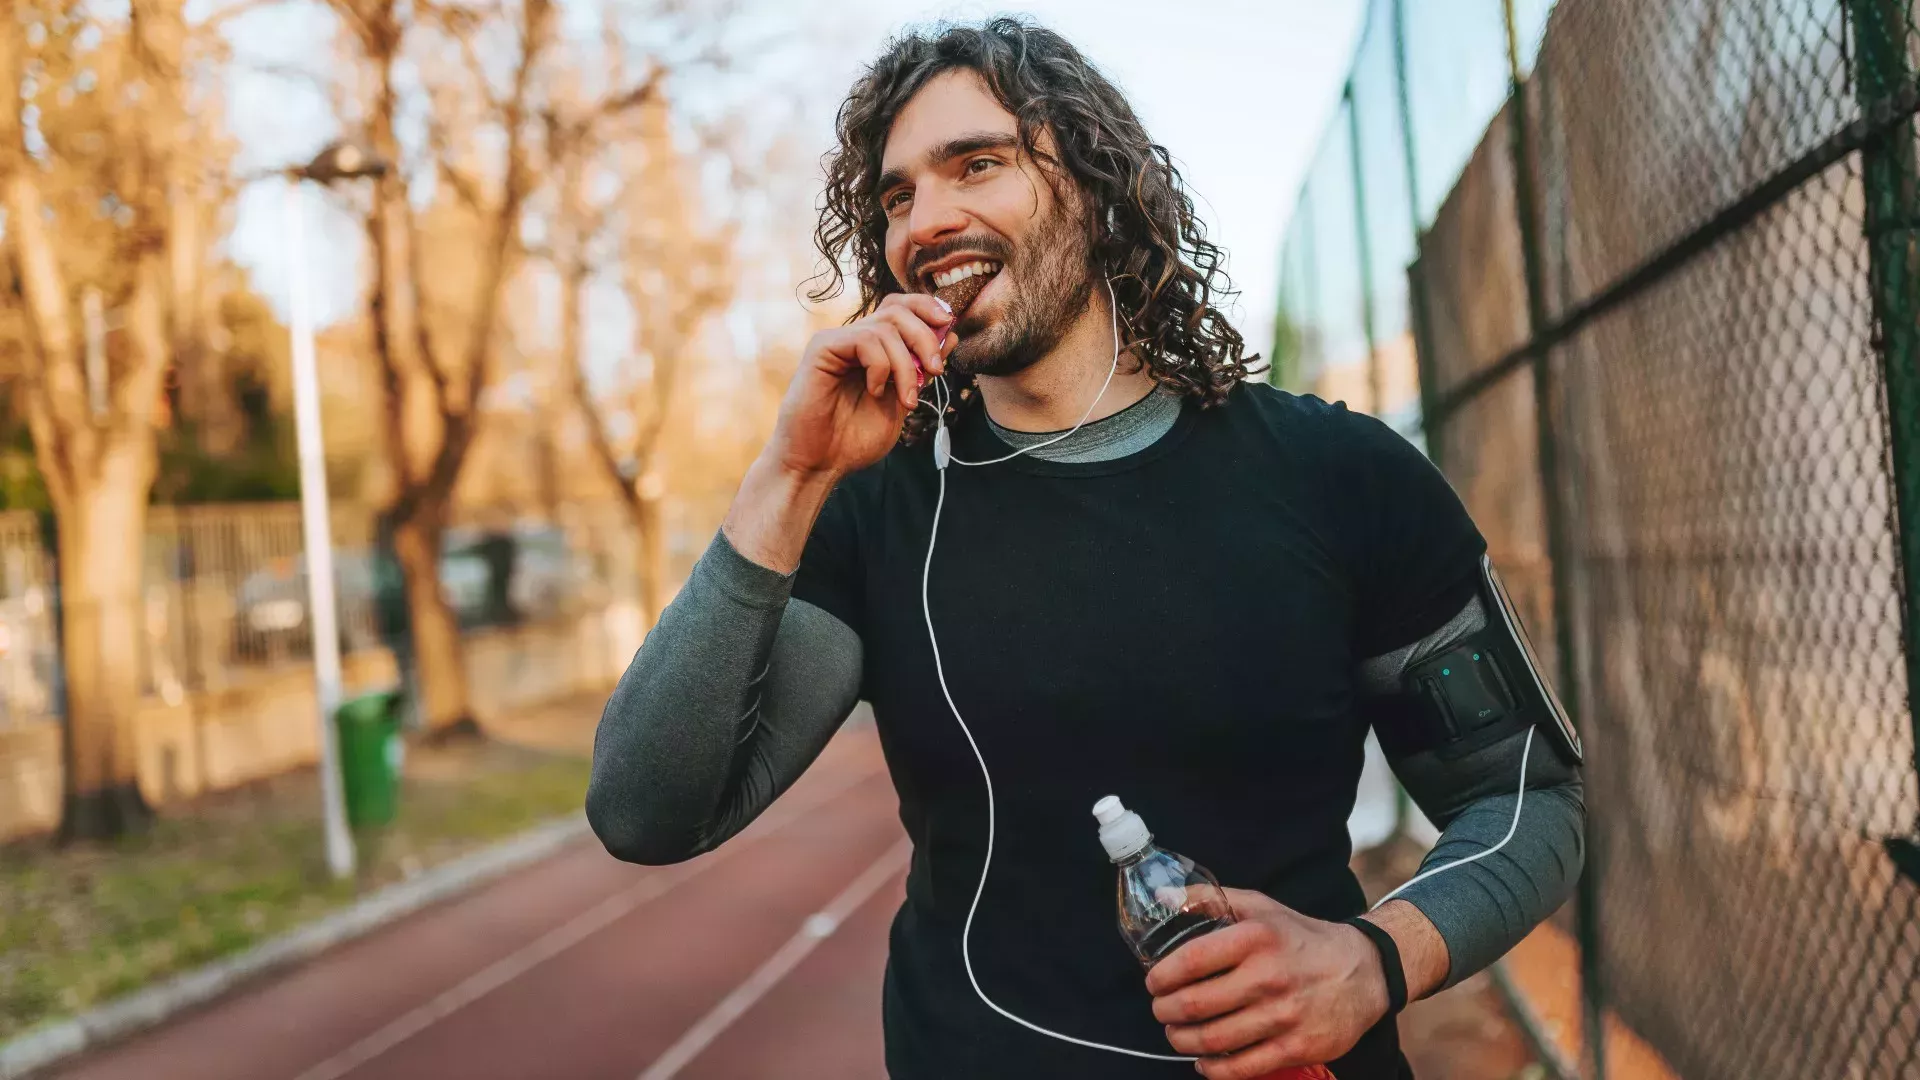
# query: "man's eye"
x,y
894,200
975,166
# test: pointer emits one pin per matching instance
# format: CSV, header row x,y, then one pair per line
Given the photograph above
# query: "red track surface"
x,y
584,967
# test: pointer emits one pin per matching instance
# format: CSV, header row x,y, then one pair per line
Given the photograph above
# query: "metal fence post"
x,y
1376,379
1560,565
1416,286
1881,38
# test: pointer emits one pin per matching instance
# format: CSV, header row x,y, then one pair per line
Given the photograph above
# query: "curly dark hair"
x,y
1167,276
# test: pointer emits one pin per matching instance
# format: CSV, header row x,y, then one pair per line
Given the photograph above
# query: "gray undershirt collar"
x,y
1128,431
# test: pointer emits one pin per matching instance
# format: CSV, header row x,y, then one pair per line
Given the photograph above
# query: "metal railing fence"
x,y
223,594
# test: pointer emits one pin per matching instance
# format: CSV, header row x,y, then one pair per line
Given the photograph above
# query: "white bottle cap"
x,y
1122,832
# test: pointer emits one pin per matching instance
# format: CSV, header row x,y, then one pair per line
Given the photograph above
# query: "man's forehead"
x,y
951,103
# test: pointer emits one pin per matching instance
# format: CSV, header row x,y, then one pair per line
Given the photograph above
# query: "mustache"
x,y
986,246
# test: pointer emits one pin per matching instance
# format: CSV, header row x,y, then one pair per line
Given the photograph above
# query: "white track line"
x,y
553,943
817,928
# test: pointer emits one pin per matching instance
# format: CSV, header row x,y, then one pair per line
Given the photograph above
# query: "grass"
x,y
84,924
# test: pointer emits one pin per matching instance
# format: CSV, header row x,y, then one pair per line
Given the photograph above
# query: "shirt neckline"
x,y
974,440
1001,430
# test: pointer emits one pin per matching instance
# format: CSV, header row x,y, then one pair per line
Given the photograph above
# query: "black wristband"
x,y
1389,963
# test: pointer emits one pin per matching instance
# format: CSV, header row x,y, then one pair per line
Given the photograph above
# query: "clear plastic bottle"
x,y
1165,899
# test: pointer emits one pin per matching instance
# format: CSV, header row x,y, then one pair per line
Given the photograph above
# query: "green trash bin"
x,y
370,756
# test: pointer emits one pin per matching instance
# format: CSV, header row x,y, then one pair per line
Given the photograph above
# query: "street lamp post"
x,y
335,163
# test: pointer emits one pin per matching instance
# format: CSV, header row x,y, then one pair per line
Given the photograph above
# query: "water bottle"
x,y
1166,899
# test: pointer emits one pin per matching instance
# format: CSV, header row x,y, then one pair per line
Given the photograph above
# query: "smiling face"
x,y
972,218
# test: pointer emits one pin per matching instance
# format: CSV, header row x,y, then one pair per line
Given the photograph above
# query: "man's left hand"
x,y
1275,989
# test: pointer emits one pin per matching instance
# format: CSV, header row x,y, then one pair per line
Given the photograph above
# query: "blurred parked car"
x,y
542,574
270,607
271,604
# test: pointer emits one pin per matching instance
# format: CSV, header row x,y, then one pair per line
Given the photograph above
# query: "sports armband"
x,y
1481,689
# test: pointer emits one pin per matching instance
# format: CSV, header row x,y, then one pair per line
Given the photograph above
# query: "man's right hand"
x,y
842,413
857,383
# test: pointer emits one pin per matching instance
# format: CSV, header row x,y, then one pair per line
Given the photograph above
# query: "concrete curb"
x,y
146,1008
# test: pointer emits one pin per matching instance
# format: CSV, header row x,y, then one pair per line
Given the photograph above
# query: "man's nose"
x,y
934,218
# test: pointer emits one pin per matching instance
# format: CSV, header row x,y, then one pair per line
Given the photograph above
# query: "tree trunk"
x,y
101,535
96,452
650,523
445,710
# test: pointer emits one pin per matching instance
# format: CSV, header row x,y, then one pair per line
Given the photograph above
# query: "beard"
x,y
1048,289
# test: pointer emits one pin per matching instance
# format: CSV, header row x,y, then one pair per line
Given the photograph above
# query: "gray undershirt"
x,y
738,688
1128,431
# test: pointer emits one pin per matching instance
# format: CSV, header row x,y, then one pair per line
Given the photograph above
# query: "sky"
x,y
1237,90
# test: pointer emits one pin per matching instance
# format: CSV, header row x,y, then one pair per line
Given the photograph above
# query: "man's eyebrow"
x,y
970,143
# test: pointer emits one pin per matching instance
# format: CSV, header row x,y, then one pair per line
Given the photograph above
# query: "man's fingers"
x,y
1254,1062
1248,900
921,340
1208,954
1207,999
906,383
1237,1029
878,364
924,306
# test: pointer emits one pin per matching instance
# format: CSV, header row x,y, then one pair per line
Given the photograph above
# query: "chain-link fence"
x,y
1666,296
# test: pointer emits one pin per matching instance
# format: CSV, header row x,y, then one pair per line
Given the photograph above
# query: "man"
x,y
1174,585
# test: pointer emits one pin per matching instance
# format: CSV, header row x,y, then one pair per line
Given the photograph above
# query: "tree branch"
x,y
213,22
535,35
464,187
56,399
598,439
459,24
423,341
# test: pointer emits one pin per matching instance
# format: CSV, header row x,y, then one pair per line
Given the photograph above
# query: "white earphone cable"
x,y
1113,309
986,776
1519,800
966,930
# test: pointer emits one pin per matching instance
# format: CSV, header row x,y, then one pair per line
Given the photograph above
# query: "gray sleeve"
x,y
1483,908
733,694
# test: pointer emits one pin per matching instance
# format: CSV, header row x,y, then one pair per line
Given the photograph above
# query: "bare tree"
x,y
432,376
492,139
93,119
676,273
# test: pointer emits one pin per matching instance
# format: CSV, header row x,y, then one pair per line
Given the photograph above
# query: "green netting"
x,y
1322,280
1379,143
1456,72
1293,313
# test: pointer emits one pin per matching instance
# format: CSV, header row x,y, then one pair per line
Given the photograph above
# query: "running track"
x,y
762,959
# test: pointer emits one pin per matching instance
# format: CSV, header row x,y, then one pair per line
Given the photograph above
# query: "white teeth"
x,y
961,273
